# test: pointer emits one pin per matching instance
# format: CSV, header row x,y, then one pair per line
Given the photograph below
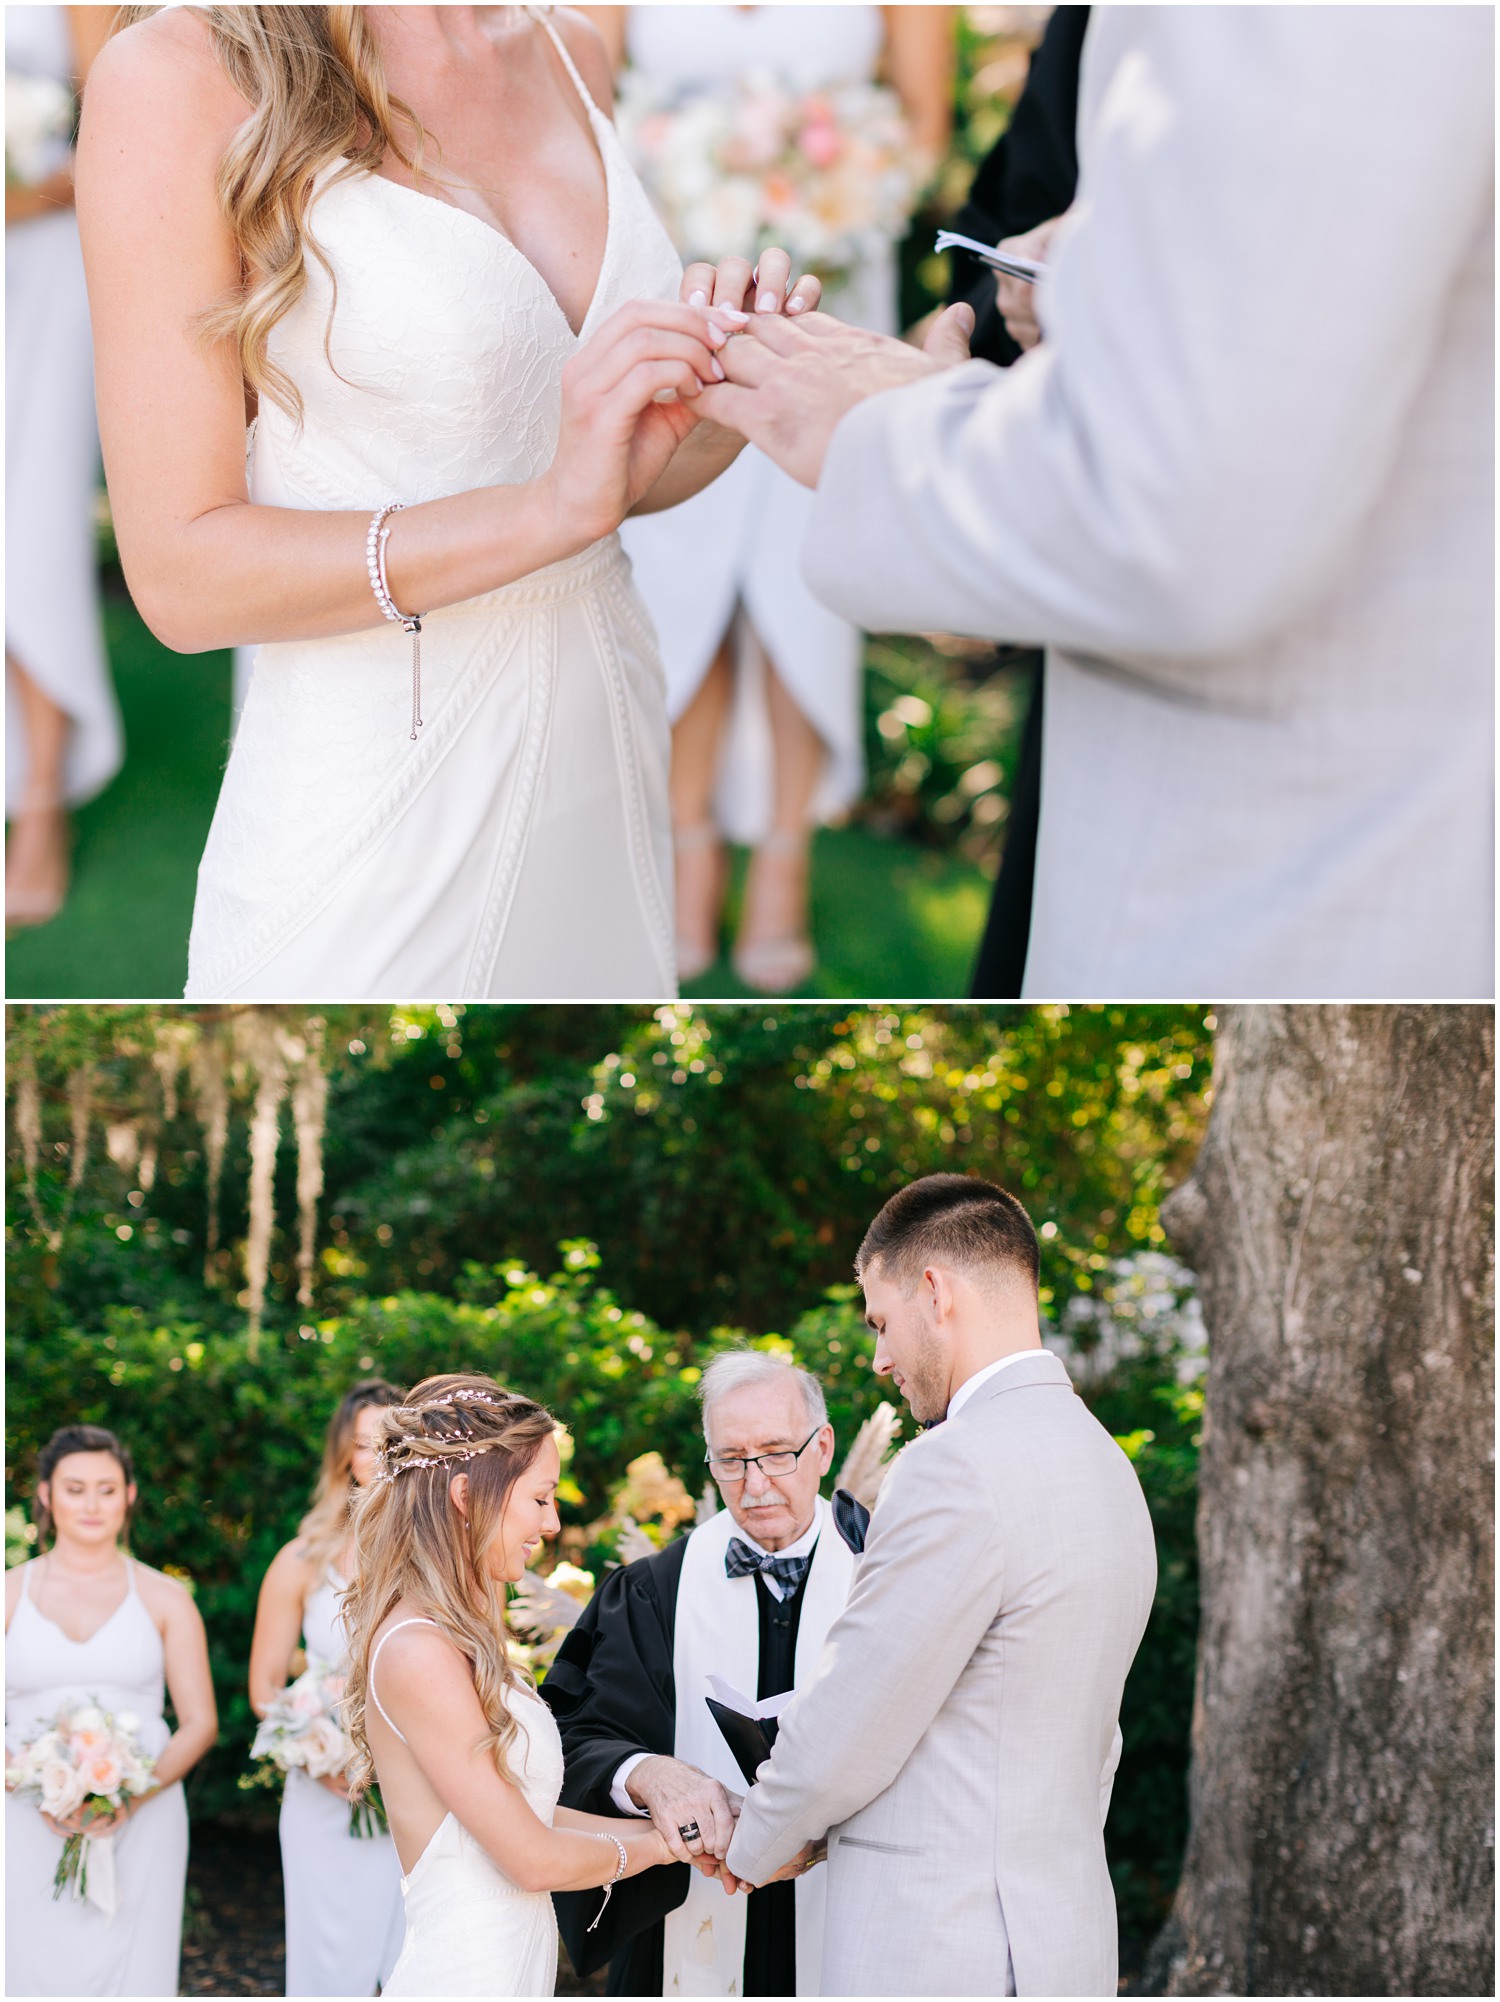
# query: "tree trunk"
x,y
1340,1219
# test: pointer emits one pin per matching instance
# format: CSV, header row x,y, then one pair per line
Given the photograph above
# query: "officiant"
x,y
748,1596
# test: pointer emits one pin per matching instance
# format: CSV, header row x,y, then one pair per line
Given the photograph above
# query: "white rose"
x,y
126,1720
324,1747
62,1789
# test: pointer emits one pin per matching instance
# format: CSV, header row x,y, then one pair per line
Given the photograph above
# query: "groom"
x,y
1243,491
957,1743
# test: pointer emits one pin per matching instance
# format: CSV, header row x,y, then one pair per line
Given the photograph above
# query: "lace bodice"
x,y
447,345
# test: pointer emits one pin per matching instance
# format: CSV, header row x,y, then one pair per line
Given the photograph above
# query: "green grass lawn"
x,y
123,932
889,917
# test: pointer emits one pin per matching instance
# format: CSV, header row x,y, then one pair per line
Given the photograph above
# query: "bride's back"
x,y
424,1656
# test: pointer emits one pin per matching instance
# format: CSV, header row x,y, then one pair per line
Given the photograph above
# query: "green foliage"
x,y
943,723
704,1170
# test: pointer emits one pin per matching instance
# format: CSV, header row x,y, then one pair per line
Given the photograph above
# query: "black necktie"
x,y
740,1561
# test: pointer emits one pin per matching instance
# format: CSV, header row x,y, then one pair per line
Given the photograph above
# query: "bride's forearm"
x,y
574,1858
243,573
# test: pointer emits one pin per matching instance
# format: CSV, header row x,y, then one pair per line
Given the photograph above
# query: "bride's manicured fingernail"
x,y
733,315
716,335
698,299
718,368
767,303
795,304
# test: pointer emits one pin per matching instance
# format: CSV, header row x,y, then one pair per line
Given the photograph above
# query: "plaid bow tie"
x,y
740,1561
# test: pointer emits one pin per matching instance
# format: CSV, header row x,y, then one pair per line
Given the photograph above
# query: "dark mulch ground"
x,y
233,1938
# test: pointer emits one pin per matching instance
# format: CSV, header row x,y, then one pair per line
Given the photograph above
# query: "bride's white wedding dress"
x,y
469,1929
521,846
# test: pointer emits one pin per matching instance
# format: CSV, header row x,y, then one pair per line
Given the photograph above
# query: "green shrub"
x,y
227,1449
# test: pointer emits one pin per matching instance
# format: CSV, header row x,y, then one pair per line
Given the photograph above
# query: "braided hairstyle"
x,y
412,1544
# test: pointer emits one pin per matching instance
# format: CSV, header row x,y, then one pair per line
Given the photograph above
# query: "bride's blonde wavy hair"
x,y
317,84
411,1542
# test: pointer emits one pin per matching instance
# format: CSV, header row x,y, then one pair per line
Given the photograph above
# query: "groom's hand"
x,y
788,384
676,1795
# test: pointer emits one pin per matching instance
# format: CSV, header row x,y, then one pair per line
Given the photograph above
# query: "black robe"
x,y
1031,175
613,1692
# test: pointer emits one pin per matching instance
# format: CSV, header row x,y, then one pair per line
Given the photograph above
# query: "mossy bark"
x,y
1340,1218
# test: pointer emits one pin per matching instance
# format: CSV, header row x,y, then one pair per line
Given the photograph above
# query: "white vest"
x,y
718,1633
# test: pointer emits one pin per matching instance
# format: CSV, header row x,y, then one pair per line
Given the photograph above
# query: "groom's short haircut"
x,y
949,1220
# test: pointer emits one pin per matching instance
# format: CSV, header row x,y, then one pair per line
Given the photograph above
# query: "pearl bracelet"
x,y
375,543
619,1872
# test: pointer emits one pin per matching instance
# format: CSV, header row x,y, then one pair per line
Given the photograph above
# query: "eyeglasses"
x,y
735,1469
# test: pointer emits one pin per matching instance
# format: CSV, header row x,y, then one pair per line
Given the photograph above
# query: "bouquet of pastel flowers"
x,y
304,1729
83,1759
831,176
38,115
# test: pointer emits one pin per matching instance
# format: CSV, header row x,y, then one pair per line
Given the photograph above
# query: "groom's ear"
x,y
938,1287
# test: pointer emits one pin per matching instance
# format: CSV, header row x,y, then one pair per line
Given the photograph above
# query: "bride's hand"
x,y
615,438
765,289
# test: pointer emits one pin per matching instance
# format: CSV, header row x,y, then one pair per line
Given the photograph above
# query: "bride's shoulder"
x,y
587,46
162,77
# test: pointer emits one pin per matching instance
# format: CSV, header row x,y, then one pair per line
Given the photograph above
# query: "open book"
x,y
749,1728
1024,268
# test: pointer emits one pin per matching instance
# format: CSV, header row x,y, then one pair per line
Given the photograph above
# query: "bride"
x,y
404,243
466,1753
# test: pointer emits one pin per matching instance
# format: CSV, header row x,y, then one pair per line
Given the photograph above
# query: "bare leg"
x,y
36,848
696,738
773,952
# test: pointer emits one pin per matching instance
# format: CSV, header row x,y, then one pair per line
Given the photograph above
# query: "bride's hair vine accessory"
x,y
446,1423
389,1471
375,543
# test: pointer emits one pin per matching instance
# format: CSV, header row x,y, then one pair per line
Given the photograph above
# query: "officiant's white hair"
x,y
737,1368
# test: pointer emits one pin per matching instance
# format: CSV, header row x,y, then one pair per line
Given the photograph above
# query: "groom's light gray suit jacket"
x,y
1244,491
958,1739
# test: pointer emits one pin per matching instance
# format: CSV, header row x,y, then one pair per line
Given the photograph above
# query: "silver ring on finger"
x,y
690,1832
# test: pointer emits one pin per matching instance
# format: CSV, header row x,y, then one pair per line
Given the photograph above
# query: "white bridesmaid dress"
x,y
469,1929
344,1923
52,623
67,1946
520,847
738,544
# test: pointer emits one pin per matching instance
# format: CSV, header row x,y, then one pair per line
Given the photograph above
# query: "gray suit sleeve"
x,y
1240,314
928,1587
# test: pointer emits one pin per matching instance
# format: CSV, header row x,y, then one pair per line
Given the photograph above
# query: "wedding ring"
x,y
690,1831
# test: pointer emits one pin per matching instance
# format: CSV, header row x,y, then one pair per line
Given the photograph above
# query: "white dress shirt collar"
x,y
966,1390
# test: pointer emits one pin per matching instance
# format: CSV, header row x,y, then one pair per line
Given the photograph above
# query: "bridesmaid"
x,y
763,681
63,739
344,1922
85,1620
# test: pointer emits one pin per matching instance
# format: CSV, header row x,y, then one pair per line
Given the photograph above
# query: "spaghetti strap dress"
x,y
68,1946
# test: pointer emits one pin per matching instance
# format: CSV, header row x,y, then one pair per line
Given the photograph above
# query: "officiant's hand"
x,y
1017,299
788,383
676,1795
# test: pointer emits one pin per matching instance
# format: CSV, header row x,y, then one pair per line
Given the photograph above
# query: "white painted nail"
x,y
698,299
767,303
